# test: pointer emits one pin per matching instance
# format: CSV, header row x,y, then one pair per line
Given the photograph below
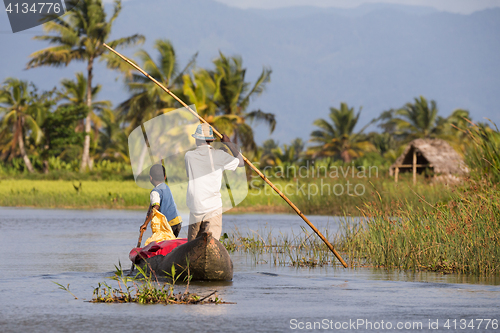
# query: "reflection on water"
x,y
82,247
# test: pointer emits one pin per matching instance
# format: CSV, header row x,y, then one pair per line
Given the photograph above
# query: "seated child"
x,y
163,212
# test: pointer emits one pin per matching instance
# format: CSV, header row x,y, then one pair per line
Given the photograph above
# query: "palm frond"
x,y
259,116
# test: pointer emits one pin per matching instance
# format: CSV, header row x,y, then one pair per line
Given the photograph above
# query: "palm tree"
x,y
285,156
61,139
415,120
75,93
421,120
455,129
113,143
455,125
266,152
232,97
79,35
386,145
337,139
21,110
199,89
222,96
148,99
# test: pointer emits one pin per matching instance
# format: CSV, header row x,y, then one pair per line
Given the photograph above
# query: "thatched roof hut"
x,y
435,154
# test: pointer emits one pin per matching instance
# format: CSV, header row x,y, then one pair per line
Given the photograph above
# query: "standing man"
x,y
162,201
204,168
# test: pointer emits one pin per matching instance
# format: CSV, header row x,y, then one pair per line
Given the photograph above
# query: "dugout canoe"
x,y
208,260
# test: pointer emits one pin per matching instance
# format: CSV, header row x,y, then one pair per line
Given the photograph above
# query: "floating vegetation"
x,y
144,288
302,250
65,289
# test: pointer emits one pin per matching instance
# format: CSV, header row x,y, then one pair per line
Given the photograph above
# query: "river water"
x,y
80,248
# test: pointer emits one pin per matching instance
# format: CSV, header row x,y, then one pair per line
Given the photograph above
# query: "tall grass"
x,y
458,235
484,154
462,235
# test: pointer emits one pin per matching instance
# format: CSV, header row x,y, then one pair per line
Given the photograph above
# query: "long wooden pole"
x,y
247,161
139,241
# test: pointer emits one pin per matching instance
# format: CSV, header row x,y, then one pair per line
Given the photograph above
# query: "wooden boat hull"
x,y
208,260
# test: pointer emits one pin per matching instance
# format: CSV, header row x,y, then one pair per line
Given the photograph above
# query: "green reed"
x,y
460,235
484,152
302,250
459,232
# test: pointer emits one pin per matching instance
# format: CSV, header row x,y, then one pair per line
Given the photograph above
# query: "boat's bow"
x,y
205,258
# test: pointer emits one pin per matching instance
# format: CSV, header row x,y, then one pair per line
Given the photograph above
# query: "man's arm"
x,y
186,165
236,153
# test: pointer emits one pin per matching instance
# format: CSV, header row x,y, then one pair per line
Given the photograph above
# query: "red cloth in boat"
x,y
154,249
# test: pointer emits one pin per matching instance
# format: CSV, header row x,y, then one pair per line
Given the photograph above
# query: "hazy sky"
x,y
455,6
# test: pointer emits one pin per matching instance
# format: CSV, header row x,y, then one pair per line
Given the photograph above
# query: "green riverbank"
x,y
104,194
320,196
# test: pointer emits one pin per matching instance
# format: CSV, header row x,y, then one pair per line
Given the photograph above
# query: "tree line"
x,y
70,125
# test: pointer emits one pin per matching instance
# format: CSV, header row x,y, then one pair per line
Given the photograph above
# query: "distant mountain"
x,y
374,56
304,11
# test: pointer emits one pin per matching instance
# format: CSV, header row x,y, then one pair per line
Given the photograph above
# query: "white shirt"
x,y
204,167
154,197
